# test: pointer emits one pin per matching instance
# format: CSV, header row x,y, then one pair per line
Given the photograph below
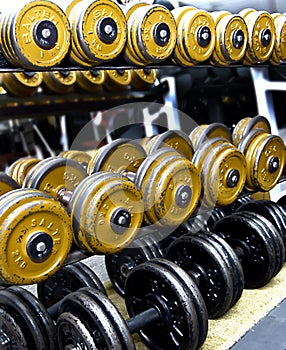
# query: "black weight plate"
x,y
83,323
258,258
152,286
231,261
199,303
271,232
25,319
68,279
119,264
12,336
271,211
41,314
95,281
196,256
114,317
282,201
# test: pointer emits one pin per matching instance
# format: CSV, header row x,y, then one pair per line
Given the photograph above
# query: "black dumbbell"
x,y
165,307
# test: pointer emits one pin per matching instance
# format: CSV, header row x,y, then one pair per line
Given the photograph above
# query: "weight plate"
x,y
119,156
200,259
223,177
118,265
24,168
40,34
57,174
37,237
84,321
238,130
155,33
178,327
248,139
272,234
199,303
90,80
143,79
26,321
122,331
117,79
171,187
45,321
22,84
175,139
67,280
255,250
100,28
111,216
210,131
195,35
279,52
7,184
261,36
83,158
231,260
265,155
231,39
60,82
11,333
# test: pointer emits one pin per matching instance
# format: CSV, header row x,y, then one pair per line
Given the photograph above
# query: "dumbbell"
x,y
257,244
165,307
106,209
209,261
151,33
81,157
223,172
36,234
22,84
98,31
231,38
261,35
118,79
143,79
169,183
195,36
35,41
59,82
90,80
279,53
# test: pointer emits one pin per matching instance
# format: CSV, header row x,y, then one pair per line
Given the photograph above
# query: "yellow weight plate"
x,y
35,240
156,33
60,82
218,15
279,52
90,80
213,130
112,215
117,79
223,177
231,39
80,157
41,34
101,29
206,148
171,188
11,168
120,156
261,36
22,84
196,36
5,41
266,159
24,168
7,184
238,130
175,139
143,79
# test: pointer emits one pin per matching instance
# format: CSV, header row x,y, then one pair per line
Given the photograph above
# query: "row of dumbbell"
x,y
162,297
25,84
106,208
94,32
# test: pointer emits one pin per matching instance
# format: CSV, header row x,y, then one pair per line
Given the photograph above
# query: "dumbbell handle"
x,y
134,324
64,196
